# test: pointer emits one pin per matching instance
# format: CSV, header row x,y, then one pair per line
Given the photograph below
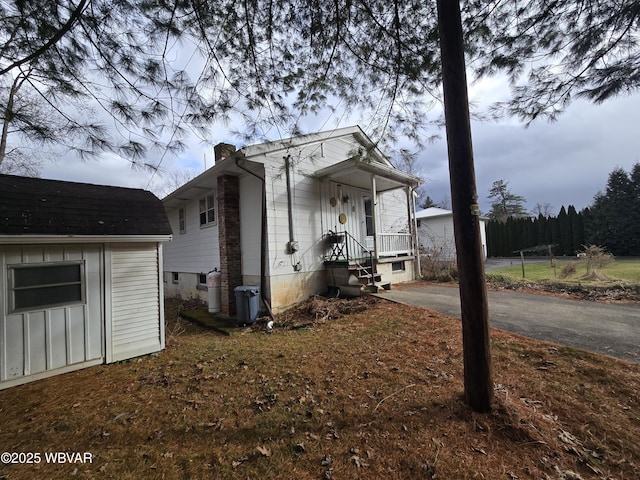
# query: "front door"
x,y
367,221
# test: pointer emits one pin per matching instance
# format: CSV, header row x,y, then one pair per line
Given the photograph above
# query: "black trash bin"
x,y
247,303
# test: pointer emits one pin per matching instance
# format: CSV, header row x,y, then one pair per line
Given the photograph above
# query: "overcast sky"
x,y
561,163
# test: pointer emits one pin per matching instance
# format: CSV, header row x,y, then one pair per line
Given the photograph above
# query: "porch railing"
x,y
342,246
391,244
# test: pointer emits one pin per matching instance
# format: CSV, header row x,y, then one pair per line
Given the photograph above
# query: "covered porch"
x,y
367,211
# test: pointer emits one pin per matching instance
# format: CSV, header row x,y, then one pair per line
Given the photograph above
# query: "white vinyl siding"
x,y
195,252
306,199
135,301
250,225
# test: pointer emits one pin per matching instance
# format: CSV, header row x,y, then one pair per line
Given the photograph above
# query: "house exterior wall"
x,y
393,211
292,275
197,251
397,270
296,276
192,251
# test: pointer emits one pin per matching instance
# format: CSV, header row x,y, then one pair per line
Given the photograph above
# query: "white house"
x,y
296,217
435,233
80,279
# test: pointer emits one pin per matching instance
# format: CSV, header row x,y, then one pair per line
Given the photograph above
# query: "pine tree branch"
x,y
61,32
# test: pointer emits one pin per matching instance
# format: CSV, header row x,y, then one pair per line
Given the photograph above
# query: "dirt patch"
x,y
369,389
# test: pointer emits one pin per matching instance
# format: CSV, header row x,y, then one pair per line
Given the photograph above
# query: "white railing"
x,y
394,244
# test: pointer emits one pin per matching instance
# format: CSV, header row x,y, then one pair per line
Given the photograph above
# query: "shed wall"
x,y
47,341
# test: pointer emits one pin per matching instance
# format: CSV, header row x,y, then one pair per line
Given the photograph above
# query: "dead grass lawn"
x,y
370,390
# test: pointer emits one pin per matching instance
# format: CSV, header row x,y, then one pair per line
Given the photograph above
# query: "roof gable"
x,y
35,206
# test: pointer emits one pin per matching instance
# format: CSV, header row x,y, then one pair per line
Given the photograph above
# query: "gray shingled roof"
x,y
35,206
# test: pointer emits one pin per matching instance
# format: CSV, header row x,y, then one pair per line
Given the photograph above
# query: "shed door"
x,y
51,310
136,325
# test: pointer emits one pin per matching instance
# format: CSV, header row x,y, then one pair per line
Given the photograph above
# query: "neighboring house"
x,y
80,277
297,217
435,234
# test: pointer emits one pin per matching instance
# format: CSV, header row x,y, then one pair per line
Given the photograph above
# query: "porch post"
x,y
374,214
413,230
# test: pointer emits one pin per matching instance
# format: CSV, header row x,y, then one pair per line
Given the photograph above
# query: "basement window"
x,y
45,285
397,266
175,277
202,282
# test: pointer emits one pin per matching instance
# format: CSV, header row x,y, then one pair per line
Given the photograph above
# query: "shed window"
x,y
45,285
207,210
182,220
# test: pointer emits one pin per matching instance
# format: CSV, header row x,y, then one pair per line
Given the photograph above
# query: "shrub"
x,y
568,269
596,259
498,278
438,270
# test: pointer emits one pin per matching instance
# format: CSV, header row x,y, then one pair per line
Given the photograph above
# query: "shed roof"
x,y
433,212
36,206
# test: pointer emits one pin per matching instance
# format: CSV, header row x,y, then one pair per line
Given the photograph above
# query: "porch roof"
x,y
357,172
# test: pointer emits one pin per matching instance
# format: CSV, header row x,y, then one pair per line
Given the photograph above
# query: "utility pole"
x,y
478,385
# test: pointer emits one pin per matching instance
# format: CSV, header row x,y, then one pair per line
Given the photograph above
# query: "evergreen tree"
x,y
613,221
427,202
565,234
504,203
577,230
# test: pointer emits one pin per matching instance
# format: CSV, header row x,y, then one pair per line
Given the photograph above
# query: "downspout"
x,y
292,246
416,242
263,235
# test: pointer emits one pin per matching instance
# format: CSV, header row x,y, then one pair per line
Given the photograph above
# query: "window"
x,y
397,266
175,277
202,278
45,285
182,222
207,210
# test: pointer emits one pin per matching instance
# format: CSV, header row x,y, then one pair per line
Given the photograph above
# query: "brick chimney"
x,y
222,151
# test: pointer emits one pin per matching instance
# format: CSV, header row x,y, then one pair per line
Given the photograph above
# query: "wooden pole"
x,y
478,385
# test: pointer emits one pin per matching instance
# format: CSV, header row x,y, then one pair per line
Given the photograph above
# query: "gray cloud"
x,y
561,163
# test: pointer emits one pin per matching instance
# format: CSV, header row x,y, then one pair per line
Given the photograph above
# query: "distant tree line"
x,y
611,222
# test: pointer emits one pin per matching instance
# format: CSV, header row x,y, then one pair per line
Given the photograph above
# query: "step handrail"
x,y
351,243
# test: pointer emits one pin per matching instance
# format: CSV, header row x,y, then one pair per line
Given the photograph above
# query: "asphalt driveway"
x,y
612,329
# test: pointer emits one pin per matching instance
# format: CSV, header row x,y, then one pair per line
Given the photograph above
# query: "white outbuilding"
x,y
435,234
80,276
